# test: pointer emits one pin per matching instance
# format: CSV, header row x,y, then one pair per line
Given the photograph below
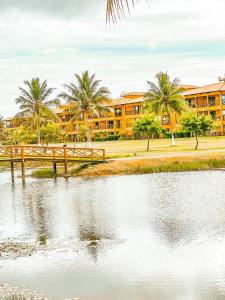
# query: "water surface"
x,y
159,236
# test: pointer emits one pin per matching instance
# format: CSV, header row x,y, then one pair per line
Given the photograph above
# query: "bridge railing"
x,y
54,153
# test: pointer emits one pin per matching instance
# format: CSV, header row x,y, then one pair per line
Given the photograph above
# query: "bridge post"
x,y
22,162
11,161
54,168
12,168
65,160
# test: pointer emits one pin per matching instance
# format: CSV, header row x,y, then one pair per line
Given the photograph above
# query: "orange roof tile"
x,y
215,87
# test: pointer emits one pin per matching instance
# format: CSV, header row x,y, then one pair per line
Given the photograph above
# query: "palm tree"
x,y
116,8
1,127
34,103
165,97
87,97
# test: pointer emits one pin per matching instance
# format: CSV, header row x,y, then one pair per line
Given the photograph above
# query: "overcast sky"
x,y
54,39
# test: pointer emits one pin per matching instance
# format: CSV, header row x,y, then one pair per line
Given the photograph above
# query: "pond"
x,y
159,236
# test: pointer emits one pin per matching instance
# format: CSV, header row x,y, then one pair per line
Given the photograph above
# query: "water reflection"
x,y
157,236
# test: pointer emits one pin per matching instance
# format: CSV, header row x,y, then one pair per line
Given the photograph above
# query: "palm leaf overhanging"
x,y
117,9
34,104
86,96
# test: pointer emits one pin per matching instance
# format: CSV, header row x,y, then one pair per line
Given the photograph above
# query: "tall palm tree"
x,y
87,96
1,127
165,97
116,8
34,103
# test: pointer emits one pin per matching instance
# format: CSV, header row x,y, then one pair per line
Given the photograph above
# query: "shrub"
x,y
43,173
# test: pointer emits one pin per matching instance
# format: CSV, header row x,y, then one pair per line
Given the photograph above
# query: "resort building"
x,y
208,100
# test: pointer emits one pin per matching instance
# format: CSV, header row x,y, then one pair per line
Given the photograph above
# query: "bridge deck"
x,y
53,154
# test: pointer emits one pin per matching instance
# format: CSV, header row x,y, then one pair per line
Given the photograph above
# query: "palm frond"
x,y
116,9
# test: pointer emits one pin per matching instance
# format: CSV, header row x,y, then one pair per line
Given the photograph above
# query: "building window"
x,y
212,101
136,109
96,125
213,114
223,99
165,120
118,124
110,124
118,112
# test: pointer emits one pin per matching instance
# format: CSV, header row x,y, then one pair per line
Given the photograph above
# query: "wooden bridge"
x,y
55,155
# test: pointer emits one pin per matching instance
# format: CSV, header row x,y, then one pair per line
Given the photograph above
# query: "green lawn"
x,y
158,147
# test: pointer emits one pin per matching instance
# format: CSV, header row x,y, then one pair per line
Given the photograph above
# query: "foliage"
x,y
87,97
116,8
179,166
165,96
196,125
17,136
148,126
82,133
43,173
2,129
50,133
34,103
112,137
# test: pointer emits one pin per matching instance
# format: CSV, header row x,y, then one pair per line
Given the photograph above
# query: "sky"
x,y
54,39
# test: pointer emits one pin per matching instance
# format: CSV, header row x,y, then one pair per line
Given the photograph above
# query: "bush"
x,y
43,173
114,137
167,135
99,139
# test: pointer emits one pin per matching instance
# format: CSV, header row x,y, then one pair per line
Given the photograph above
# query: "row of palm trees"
x,y
87,96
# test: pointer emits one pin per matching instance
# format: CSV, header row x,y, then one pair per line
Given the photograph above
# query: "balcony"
x,y
110,126
132,112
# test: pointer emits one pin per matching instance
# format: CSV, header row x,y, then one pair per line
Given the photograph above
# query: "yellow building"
x,y
208,100
124,111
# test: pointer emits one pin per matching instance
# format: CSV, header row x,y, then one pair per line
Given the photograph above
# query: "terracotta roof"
x,y
189,87
220,86
121,101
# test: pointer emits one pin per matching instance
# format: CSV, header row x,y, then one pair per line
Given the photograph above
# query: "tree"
x,y
116,8
148,126
17,136
165,97
50,133
2,131
196,125
87,97
34,103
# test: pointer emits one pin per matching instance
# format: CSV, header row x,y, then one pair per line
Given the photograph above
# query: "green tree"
x,y
87,97
82,133
148,126
34,102
2,129
50,133
165,97
17,136
196,125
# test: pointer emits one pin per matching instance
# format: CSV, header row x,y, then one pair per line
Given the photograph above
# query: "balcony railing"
x,y
110,126
133,112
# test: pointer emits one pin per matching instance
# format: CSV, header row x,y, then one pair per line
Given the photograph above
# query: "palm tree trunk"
x,y
173,141
87,132
39,129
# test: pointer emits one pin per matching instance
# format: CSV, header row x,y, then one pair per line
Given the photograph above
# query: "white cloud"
x,y
184,37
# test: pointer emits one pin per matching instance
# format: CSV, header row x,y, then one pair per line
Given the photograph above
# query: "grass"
x,y
43,173
179,166
153,165
133,148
